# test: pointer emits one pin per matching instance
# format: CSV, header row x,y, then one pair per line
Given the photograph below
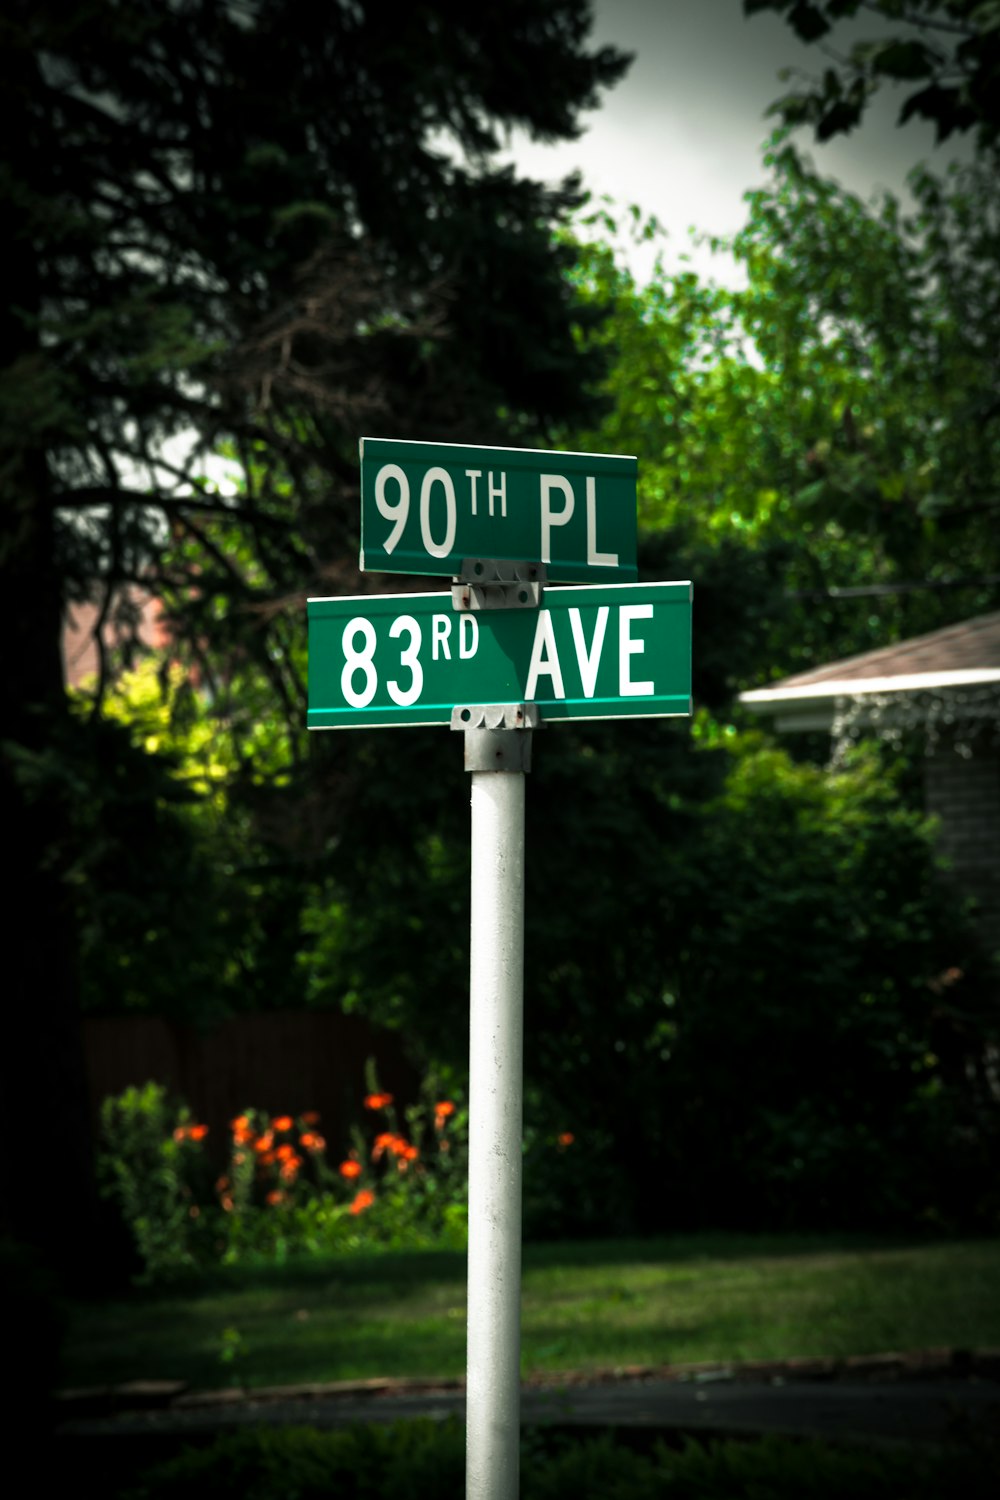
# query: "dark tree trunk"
x,y
43,1094
49,1198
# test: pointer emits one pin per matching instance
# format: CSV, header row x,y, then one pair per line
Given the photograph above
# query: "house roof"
x,y
962,655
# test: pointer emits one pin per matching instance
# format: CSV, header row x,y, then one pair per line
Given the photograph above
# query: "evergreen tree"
x,y
263,222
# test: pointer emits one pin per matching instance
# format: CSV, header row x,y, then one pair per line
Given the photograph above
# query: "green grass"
x,y
584,1305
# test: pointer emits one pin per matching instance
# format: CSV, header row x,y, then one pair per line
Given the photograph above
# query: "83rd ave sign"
x,y
600,652
430,507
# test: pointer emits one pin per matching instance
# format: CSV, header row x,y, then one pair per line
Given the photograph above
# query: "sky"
x,y
682,134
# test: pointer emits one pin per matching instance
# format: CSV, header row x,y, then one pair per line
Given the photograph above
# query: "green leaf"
x,y
903,60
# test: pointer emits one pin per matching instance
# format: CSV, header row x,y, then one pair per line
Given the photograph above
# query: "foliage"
x,y
828,429
785,934
226,257
269,248
184,897
791,442
720,924
948,51
276,1194
424,1459
152,1168
705,923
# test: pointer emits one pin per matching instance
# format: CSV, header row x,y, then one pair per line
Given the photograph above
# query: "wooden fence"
x,y
285,1062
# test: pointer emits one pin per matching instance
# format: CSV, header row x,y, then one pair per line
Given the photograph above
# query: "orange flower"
x,y
384,1142
350,1169
282,1123
284,1152
180,1133
222,1184
275,1196
267,1158
264,1142
362,1200
198,1132
378,1101
311,1141
409,1153
442,1110
311,1117
227,1204
567,1138
290,1168
242,1134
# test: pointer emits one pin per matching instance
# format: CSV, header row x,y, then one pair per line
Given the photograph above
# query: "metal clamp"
x,y
497,750
489,570
496,716
484,583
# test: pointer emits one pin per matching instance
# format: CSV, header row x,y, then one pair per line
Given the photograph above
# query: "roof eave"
x,y
811,698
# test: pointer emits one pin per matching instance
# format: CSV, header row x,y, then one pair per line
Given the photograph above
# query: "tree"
x,y
831,426
682,899
946,51
236,220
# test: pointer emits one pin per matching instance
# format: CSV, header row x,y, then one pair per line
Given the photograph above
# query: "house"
x,y
81,662
946,685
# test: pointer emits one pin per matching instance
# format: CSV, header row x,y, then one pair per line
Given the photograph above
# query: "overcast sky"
x,y
681,134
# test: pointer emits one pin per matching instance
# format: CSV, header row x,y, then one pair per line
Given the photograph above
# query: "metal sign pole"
x,y
498,760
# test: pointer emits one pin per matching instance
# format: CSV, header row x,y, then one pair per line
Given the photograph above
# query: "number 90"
x,y
397,510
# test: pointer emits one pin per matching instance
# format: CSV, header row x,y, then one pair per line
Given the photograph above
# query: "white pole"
x,y
493,1387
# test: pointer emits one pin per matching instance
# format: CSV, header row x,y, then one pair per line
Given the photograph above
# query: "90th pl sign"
x,y
431,507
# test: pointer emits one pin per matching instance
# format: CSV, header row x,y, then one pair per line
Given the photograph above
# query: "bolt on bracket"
x,y
484,583
496,716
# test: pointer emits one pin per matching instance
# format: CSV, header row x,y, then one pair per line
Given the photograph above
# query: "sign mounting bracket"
x,y
496,716
485,583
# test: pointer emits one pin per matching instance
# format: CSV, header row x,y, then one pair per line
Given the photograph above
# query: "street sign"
x,y
430,507
599,652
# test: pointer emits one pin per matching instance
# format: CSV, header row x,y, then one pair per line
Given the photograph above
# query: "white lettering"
x,y
589,662
358,661
398,512
440,632
430,479
473,475
468,635
628,647
599,559
498,493
550,482
408,658
544,659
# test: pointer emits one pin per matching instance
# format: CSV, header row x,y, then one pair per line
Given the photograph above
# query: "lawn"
x,y
584,1305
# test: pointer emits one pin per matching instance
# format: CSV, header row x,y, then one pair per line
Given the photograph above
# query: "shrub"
x,y
424,1460
396,1186
152,1166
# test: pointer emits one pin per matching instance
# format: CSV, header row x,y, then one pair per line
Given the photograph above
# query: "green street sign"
x,y
600,652
431,507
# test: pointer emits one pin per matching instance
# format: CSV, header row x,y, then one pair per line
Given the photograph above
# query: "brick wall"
x,y
964,793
